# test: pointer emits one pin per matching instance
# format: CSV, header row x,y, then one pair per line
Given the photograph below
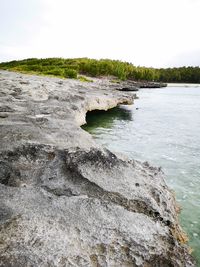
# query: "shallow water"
x,y
162,127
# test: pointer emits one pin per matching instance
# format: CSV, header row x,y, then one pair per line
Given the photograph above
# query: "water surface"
x,y
162,127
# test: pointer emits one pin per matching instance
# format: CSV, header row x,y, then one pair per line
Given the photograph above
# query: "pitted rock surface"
x,y
67,201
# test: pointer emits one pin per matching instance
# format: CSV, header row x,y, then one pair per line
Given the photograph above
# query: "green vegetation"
x,y
180,75
71,68
84,79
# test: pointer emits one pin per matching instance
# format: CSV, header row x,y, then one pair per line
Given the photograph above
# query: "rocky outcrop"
x,y
130,85
150,85
67,201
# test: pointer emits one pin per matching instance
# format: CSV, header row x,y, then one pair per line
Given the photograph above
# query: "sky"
x,y
151,33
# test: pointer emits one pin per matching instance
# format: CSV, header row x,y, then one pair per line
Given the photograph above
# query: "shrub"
x,y
70,73
55,72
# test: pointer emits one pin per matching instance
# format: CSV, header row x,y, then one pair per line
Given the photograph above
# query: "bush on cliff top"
x,y
70,68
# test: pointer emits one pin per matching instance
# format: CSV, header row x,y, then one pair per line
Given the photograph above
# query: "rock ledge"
x,y
65,200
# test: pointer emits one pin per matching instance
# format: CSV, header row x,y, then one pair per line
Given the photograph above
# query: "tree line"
x,y
71,68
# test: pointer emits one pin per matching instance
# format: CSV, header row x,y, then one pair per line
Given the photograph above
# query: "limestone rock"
x,y
67,201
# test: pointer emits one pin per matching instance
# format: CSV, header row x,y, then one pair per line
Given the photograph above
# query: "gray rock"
x,y
150,85
67,201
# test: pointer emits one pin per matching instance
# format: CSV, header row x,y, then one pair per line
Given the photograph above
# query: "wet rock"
x,y
67,201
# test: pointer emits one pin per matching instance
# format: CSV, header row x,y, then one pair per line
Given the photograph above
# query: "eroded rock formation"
x,y
65,200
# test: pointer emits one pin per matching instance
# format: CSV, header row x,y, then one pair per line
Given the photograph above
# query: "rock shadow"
x,y
105,119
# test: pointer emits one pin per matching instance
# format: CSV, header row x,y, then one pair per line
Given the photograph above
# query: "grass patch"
x,y
84,79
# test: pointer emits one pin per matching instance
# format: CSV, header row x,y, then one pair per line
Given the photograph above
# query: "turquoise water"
x,y
162,127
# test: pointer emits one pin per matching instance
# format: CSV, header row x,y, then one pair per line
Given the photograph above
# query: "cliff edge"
x,y
67,201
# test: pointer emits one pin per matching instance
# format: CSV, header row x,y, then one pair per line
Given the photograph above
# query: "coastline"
x,y
70,195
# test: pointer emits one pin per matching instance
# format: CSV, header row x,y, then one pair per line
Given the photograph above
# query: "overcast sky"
x,y
157,33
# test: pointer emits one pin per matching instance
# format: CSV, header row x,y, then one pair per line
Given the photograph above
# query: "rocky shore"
x,y
130,85
65,200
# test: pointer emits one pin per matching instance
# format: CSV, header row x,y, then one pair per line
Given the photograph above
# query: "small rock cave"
x,y
102,118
